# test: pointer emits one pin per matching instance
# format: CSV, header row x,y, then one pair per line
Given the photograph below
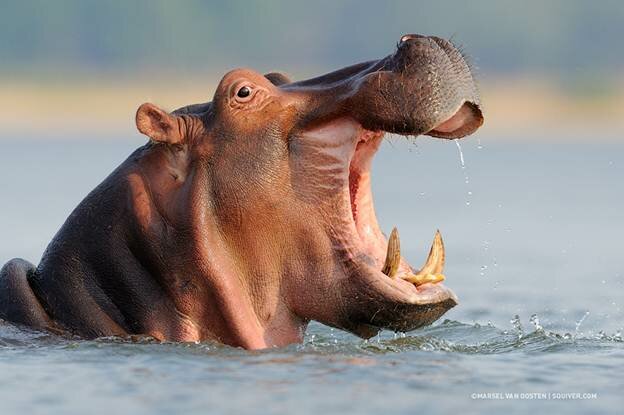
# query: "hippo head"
x,y
271,183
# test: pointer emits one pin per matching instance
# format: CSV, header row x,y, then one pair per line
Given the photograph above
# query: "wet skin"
x,y
246,217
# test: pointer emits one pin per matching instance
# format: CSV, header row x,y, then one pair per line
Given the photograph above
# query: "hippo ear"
x,y
278,78
158,124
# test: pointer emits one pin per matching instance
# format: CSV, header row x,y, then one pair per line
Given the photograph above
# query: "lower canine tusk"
x,y
393,255
435,260
431,272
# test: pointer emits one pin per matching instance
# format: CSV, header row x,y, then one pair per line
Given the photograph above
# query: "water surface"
x,y
534,236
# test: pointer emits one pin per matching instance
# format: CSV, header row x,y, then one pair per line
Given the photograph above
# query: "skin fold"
x,y
245,217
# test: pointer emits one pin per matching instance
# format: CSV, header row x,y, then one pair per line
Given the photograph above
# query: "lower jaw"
x,y
374,302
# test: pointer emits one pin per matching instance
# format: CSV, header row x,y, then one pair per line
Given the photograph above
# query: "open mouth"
x,y
410,93
383,254
386,254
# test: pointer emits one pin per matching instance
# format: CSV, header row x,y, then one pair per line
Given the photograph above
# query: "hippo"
x,y
244,218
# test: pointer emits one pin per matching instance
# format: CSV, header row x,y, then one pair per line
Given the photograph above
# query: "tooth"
x,y
420,279
432,270
393,255
435,260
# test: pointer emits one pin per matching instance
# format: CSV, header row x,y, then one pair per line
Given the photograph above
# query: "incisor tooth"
x,y
393,255
420,279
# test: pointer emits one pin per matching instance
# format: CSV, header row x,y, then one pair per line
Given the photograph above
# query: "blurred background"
x,y
71,63
530,206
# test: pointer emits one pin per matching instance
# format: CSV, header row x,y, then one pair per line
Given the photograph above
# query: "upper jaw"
x,y
441,73
465,120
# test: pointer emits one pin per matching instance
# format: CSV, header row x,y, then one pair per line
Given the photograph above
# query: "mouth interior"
x,y
382,254
343,153
370,238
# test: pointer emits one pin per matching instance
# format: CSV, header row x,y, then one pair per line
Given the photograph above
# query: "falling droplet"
x,y
483,270
578,323
461,154
463,166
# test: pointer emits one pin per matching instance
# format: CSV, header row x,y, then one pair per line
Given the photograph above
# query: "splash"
x,y
449,336
457,337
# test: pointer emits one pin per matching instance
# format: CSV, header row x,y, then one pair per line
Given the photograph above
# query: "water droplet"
x,y
517,325
578,323
536,323
461,154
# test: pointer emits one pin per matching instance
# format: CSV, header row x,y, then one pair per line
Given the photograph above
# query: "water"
x,y
535,258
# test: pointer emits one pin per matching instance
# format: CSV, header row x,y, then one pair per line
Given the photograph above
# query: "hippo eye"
x,y
244,92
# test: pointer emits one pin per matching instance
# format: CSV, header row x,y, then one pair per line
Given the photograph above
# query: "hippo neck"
x,y
144,254
205,276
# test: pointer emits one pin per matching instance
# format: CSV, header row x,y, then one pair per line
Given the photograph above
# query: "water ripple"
x,y
448,336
